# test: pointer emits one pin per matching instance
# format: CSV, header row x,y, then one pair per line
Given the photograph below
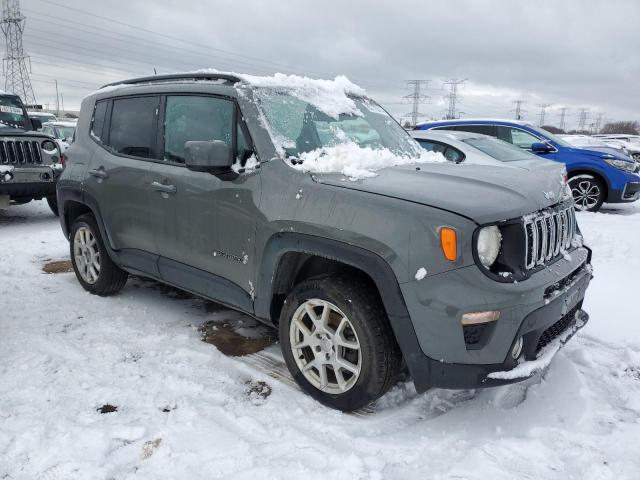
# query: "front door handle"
x,y
161,187
99,172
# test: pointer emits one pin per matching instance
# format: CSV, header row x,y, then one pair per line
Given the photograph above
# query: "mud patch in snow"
x,y
107,408
226,338
257,391
58,266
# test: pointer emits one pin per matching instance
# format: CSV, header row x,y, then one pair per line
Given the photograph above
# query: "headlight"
x,y
621,164
489,243
49,146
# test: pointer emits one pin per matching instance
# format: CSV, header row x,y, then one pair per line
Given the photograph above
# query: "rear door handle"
x,y
99,172
161,187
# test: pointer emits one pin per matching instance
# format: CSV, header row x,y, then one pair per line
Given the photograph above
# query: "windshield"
x,y
65,132
298,126
11,113
503,151
550,136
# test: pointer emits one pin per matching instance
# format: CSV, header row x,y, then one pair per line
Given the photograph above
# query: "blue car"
x,y
595,177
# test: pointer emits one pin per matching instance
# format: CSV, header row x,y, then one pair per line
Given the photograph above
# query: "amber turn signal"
x,y
448,243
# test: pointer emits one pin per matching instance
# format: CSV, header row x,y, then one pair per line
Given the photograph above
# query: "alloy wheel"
x,y
585,194
325,346
86,255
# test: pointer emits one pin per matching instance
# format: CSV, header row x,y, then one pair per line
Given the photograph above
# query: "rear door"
x,y
205,224
119,176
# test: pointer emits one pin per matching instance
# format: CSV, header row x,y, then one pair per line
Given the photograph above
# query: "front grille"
x,y
557,328
20,152
548,234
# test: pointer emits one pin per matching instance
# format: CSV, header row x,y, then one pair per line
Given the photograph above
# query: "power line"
x,y
416,99
518,110
453,97
543,109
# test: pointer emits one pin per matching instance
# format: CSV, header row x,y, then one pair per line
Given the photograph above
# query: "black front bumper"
x,y
553,323
33,190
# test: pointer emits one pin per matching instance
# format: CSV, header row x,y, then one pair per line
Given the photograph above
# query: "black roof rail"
x,y
177,76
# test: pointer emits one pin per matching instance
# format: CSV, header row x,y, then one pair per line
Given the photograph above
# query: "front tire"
x,y
95,271
337,341
588,192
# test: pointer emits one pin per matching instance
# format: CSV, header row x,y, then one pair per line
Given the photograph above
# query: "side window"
x,y
483,129
522,139
132,128
190,117
504,134
97,122
431,146
47,131
453,155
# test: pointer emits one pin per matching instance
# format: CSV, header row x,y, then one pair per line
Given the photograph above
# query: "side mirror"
x,y
36,123
208,156
540,147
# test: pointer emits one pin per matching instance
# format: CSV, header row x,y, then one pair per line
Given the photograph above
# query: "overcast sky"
x,y
572,53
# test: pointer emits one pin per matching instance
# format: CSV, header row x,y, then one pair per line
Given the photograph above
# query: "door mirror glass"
x,y
540,147
213,156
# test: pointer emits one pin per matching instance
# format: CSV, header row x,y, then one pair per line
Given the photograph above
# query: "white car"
x,y
631,143
44,117
62,131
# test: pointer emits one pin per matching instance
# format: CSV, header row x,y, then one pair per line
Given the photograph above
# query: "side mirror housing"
x,y
540,147
208,156
36,123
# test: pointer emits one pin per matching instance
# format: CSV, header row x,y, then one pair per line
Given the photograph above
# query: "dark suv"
x,y
304,204
30,161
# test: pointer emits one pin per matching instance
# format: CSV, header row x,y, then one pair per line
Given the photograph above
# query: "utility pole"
x,y
543,109
582,118
57,100
14,64
62,99
453,97
416,98
519,112
563,116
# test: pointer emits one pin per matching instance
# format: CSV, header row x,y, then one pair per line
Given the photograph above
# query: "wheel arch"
x,y
290,257
598,175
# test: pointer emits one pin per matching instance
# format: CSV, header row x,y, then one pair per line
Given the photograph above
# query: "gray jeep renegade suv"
x,y
231,187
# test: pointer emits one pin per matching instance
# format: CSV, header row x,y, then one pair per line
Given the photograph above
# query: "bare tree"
x,y
629,127
552,129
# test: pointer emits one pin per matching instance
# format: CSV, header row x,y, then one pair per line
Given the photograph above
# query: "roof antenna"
x,y
154,71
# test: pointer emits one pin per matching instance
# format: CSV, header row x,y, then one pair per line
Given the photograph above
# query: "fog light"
x,y
475,318
517,348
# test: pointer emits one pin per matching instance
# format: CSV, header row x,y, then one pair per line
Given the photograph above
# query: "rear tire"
x,y
588,192
53,204
95,271
348,357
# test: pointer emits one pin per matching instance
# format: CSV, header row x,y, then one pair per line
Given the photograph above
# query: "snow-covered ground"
x,y
187,411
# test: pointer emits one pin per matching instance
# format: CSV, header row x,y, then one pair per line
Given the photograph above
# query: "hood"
x,y
482,193
19,132
596,152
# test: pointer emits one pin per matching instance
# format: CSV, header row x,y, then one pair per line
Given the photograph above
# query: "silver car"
x,y
478,149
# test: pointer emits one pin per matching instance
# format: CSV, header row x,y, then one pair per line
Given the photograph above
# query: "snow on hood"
x,y
357,162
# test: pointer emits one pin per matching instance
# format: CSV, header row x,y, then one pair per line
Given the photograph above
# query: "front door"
x,y
120,176
205,225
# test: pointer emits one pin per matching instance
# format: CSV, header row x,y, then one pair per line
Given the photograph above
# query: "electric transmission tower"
x,y
15,61
416,98
543,110
582,119
598,124
453,98
519,112
563,116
